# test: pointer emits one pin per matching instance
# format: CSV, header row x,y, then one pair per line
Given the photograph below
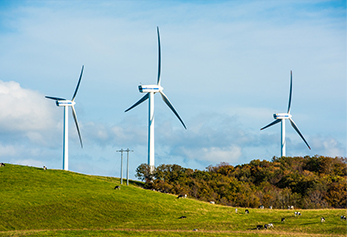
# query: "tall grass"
x,y
37,202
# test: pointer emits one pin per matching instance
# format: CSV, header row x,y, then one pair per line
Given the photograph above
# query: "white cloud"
x,y
8,150
27,117
114,134
214,154
327,146
23,110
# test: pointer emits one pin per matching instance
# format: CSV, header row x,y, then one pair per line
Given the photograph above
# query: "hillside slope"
x,y
36,199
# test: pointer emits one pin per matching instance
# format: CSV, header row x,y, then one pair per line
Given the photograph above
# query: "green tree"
x,y
144,173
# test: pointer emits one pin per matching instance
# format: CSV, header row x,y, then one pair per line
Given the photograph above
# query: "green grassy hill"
x,y
37,202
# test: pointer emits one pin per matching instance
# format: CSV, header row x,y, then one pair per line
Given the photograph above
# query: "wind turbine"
x,y
61,102
281,117
150,90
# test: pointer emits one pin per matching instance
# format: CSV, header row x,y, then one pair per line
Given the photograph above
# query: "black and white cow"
x,y
268,226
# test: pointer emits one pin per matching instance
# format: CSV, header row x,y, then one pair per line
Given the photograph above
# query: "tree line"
x,y
303,182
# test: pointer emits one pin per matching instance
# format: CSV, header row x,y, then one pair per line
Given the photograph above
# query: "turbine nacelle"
x,y
150,88
65,103
282,116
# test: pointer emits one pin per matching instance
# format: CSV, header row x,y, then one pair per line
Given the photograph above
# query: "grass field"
x,y
37,202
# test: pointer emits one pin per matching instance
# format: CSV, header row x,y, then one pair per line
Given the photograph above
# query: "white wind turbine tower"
x,y
68,103
150,90
281,117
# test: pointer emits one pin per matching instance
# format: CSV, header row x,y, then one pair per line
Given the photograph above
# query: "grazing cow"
x,y
246,211
44,168
117,187
297,213
182,217
261,207
212,202
182,196
283,219
343,217
322,219
268,226
259,227
2,164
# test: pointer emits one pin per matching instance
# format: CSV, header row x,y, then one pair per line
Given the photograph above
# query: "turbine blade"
x,y
54,98
297,130
139,102
78,84
166,100
159,57
78,129
273,123
290,93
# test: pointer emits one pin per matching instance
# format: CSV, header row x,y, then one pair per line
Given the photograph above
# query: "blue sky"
x,y
225,67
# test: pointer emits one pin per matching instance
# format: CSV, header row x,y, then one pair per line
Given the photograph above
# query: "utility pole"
x,y
121,165
127,151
